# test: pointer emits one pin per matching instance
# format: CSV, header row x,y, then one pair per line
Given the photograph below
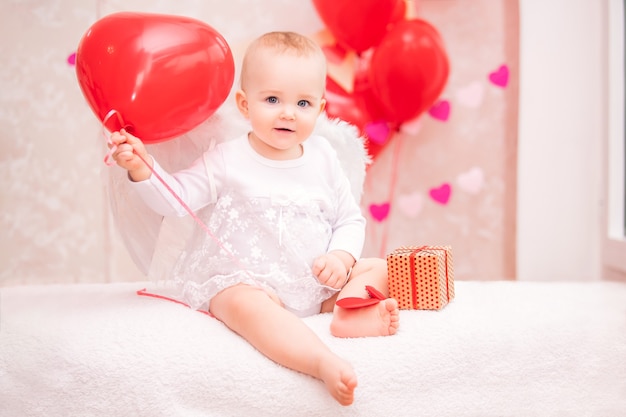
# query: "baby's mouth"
x,y
284,129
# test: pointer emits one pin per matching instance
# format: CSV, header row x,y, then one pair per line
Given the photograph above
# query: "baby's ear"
x,y
322,105
242,102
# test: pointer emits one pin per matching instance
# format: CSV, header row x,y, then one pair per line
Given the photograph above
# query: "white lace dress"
x,y
268,221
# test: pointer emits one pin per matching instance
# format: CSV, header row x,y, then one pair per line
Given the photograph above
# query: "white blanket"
x,y
499,349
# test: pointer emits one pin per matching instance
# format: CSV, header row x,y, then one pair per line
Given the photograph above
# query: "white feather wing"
x,y
154,242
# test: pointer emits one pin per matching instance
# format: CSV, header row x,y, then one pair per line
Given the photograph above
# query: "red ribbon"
x,y
413,277
108,162
413,271
145,293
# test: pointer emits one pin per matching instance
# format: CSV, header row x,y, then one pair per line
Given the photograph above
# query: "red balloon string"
x,y
112,148
392,187
108,161
144,292
193,215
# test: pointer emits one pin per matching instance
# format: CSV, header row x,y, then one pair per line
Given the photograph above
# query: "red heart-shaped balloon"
x,y
359,25
162,75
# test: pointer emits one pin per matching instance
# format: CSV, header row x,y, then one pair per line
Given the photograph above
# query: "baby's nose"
x,y
288,112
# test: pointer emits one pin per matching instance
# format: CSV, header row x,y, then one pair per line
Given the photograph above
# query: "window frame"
x,y
614,241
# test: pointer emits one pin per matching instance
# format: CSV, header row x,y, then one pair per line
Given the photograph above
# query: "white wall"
x,y
561,133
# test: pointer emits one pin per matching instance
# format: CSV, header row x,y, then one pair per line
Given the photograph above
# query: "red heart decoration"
x,y
374,293
356,302
163,75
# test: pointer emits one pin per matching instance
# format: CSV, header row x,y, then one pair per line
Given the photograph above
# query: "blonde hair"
x,y
281,42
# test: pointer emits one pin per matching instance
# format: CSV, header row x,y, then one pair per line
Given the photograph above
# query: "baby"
x,y
290,231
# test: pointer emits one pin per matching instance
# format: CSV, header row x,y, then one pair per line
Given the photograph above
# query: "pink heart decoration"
x,y
71,59
471,181
380,211
377,132
440,110
472,95
500,77
410,204
441,194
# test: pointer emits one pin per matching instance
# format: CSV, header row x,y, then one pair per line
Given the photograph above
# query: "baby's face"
x,y
284,98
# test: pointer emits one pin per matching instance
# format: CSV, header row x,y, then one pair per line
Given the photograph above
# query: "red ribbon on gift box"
x,y
412,256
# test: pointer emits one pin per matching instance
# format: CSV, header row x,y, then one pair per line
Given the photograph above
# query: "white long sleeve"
x,y
234,165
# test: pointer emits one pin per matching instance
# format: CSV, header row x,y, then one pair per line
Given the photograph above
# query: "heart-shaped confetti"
x,y
441,194
410,204
440,110
377,132
472,95
379,211
471,181
500,77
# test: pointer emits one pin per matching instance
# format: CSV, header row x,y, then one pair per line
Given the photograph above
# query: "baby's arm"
x,y
129,154
332,268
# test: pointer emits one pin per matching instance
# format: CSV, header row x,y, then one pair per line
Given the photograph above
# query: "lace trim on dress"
x,y
274,242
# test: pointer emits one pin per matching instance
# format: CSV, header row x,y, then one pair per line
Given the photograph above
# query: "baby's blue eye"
x,y
303,103
272,100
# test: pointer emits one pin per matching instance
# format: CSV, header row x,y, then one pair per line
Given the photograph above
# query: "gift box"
x,y
421,277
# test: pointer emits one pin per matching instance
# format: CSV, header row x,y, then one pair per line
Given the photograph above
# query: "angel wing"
x,y
154,242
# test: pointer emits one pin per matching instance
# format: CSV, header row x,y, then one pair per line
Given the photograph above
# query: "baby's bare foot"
x,y
381,319
339,378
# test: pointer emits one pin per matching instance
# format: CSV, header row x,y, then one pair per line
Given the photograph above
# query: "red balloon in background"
x,y
399,12
366,99
357,25
409,69
364,92
351,108
343,105
163,74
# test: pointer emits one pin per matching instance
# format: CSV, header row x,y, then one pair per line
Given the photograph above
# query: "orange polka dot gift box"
x,y
421,277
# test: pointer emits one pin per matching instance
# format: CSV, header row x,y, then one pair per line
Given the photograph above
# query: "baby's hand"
x,y
127,155
330,270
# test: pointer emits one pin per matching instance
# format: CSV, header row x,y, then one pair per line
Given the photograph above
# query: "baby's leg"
x,y
284,338
381,319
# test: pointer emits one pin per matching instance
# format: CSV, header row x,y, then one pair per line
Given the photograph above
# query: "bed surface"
x,y
499,349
